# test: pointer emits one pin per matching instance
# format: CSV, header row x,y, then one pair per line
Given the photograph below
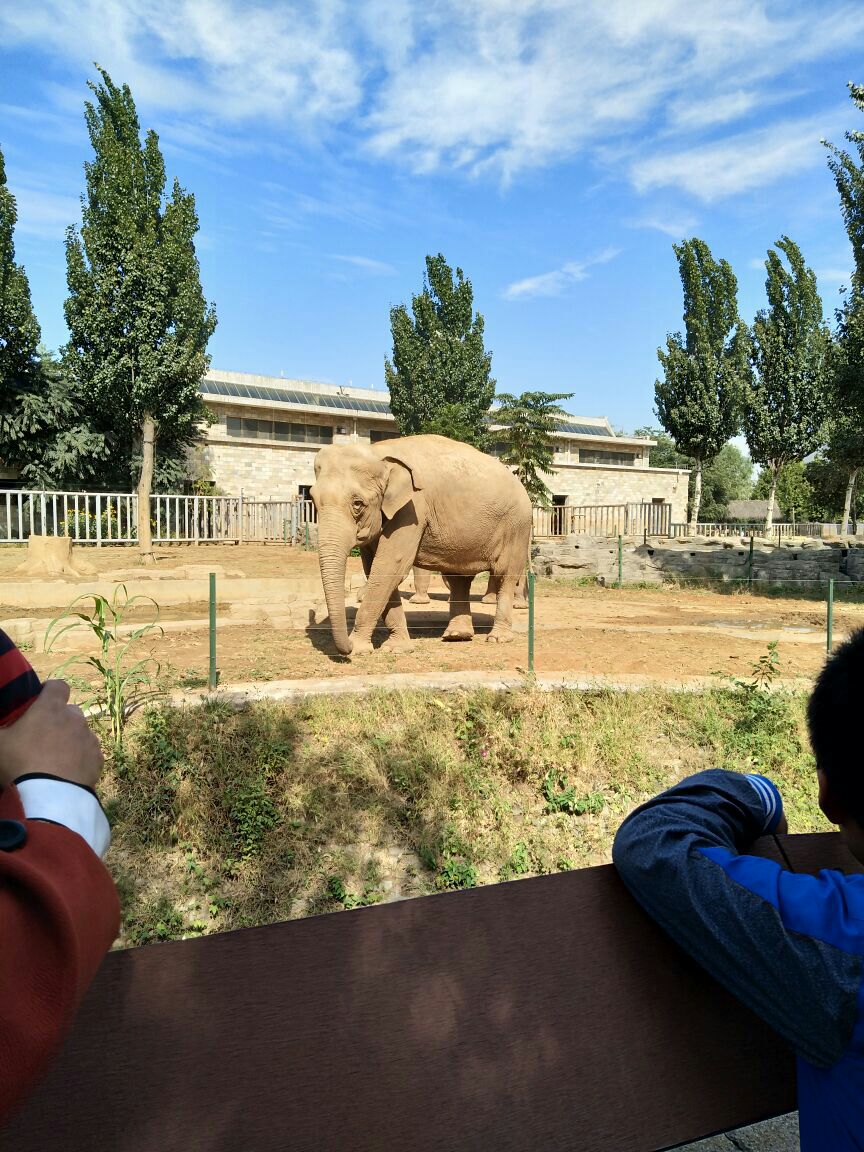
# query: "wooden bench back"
x,y
544,1014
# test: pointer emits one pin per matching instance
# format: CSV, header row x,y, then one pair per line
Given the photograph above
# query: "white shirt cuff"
x,y
63,802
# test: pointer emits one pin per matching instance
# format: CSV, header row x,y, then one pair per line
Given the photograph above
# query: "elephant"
x,y
418,500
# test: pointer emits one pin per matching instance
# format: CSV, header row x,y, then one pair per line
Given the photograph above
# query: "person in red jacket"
x,y
59,911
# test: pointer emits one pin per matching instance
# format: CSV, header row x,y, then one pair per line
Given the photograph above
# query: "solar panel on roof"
x,y
289,396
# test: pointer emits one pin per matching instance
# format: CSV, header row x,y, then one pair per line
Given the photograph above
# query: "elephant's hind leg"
x,y
422,580
491,595
502,629
460,626
396,625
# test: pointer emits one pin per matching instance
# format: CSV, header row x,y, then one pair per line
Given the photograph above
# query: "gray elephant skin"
x,y
420,500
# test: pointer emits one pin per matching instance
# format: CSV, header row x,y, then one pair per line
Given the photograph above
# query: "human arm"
x,y
59,911
772,938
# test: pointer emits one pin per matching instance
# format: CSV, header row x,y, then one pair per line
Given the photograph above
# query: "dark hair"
x,y
832,713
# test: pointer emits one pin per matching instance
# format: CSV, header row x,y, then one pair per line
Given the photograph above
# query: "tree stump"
x,y
53,556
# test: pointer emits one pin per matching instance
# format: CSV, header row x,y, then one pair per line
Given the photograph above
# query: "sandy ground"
x,y
667,633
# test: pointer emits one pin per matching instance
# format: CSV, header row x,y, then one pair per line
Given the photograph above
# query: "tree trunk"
x,y
847,503
145,486
697,498
769,513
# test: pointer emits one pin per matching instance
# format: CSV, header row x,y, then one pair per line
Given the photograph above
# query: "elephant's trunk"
x,y
334,544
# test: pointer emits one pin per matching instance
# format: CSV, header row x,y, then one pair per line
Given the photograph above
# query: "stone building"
x,y
268,430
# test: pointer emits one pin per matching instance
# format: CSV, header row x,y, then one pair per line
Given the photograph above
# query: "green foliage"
x,y
829,482
454,866
337,891
528,423
849,178
786,404
794,493
727,477
699,400
124,685
439,378
252,814
136,314
561,797
19,329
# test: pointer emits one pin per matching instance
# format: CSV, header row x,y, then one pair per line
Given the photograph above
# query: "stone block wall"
x,y
607,484
800,562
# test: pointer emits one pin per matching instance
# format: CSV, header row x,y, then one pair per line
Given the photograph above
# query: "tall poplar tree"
x,y
787,397
699,400
439,378
137,317
846,439
19,334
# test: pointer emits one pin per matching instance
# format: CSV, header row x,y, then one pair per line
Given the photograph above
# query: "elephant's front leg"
x,y
393,559
460,626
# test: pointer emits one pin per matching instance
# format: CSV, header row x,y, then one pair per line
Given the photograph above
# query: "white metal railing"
x,y
112,518
603,520
779,530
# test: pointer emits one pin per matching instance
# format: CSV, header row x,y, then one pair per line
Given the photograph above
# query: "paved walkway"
x,y
780,1135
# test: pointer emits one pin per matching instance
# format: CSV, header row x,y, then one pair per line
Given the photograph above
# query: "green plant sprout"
x,y
122,687
561,798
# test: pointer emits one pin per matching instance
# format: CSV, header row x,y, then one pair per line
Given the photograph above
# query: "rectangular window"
x,y
376,435
595,456
280,430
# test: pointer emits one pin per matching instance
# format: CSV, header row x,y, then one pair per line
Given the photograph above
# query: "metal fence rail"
x,y
603,520
781,529
112,518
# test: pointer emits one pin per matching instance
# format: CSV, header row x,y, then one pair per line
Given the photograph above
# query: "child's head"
x,y
833,717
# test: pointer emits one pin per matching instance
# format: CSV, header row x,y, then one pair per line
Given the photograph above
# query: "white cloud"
x,y
555,282
738,163
677,227
365,264
497,86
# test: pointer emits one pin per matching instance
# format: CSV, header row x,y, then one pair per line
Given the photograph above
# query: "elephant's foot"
x,y
490,598
419,598
460,628
498,637
398,644
361,647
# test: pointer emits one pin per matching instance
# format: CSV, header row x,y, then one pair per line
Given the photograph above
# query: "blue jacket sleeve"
x,y
773,938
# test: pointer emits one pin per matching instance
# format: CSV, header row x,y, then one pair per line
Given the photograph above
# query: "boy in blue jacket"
x,y
789,946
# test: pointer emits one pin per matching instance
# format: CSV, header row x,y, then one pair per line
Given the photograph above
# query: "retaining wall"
x,y
792,562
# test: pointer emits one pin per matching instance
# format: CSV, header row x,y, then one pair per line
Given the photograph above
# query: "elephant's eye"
x,y
357,506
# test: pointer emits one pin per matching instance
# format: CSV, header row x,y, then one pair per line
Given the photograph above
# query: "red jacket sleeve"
x,y
59,914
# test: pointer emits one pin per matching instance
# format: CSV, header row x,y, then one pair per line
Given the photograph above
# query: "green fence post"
x,y
750,567
620,560
830,632
530,622
213,676
306,544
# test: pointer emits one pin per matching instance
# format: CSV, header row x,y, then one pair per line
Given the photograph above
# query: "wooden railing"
x,y
547,1013
603,520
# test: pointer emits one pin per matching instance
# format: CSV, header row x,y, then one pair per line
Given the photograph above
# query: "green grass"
x,y
227,818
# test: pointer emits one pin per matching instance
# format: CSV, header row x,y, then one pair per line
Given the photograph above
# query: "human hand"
x,y
52,737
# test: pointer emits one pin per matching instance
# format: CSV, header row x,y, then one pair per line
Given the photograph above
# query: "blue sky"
x,y
553,149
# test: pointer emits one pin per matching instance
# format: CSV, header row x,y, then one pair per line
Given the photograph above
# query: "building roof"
x,y
312,395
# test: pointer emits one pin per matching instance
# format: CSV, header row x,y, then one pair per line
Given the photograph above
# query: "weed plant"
x,y
125,681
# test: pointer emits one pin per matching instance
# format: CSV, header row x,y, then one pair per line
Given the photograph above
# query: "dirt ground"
x,y
666,633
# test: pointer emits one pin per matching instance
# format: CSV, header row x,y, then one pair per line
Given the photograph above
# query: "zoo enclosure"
x,y
111,518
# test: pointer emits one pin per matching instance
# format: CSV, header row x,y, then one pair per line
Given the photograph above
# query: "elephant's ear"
x,y
400,486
